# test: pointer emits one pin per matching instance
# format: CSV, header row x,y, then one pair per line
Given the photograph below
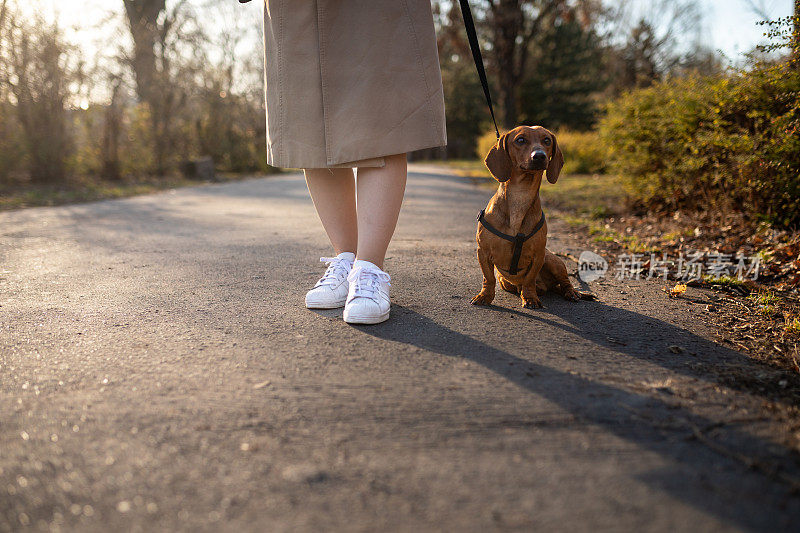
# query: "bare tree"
x,y
112,133
229,118
513,27
758,8
11,147
3,30
158,35
143,18
656,40
37,73
512,24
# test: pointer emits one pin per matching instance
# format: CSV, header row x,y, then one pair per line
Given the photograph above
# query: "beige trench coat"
x,y
350,81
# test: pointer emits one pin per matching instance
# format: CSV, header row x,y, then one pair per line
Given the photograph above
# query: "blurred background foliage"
x,y
636,92
161,90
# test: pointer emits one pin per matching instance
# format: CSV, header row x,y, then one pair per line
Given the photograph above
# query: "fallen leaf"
x,y
677,290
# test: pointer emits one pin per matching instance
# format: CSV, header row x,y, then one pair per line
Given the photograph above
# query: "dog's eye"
x,y
546,141
520,140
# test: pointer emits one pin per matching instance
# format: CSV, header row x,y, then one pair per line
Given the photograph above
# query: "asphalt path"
x,y
159,371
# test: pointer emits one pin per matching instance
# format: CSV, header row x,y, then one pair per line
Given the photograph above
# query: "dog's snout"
x,y
538,160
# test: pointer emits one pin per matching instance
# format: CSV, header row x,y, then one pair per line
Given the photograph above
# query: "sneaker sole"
x,y
311,305
367,319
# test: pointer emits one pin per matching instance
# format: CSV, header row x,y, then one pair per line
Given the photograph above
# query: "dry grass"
x,y
76,190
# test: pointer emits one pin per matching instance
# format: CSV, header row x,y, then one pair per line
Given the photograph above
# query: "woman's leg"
x,y
379,197
333,192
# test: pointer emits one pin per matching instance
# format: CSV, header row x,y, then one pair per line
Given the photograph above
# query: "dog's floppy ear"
x,y
498,161
556,163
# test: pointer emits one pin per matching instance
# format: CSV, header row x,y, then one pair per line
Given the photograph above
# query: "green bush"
x,y
485,143
725,143
584,152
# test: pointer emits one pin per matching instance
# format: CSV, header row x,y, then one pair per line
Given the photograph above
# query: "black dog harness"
x,y
517,240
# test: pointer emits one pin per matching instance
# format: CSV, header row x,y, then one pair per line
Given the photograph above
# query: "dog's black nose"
x,y
538,156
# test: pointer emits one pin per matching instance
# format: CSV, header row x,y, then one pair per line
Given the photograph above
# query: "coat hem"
x,y
410,147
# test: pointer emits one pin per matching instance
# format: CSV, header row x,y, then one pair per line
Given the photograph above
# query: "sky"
x,y
730,25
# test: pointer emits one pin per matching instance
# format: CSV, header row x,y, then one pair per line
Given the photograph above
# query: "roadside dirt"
x,y
758,314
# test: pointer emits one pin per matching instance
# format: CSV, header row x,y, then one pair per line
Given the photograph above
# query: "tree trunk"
x,y
143,18
506,21
514,24
111,136
143,21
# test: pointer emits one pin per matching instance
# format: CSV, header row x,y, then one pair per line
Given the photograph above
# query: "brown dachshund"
x,y
512,232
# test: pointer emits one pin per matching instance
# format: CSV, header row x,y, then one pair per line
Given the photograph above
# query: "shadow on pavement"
x,y
703,477
645,338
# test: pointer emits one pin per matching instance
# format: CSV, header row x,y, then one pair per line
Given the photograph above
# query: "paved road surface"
x,y
158,371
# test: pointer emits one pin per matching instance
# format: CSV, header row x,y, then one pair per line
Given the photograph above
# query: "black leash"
x,y
517,240
472,36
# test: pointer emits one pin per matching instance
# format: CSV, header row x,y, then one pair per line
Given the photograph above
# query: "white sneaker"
x,y
330,291
368,297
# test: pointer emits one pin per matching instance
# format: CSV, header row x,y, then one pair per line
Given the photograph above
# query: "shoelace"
x,y
367,281
336,269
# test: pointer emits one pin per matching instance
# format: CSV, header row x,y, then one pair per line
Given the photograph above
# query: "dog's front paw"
x,y
530,298
482,298
571,294
531,302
